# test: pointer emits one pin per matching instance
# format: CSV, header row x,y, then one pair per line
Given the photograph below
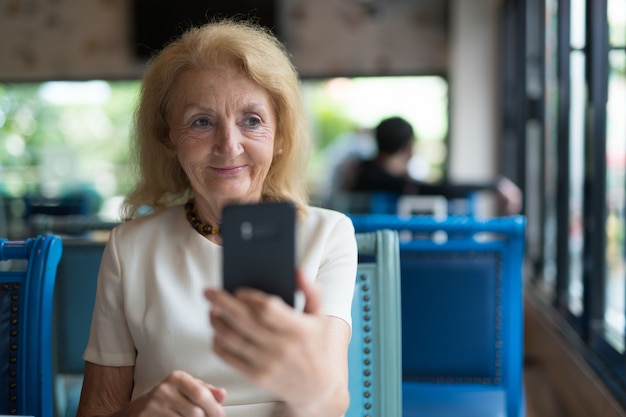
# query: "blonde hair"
x,y
161,180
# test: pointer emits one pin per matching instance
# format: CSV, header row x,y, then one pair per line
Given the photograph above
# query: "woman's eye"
x,y
201,122
252,121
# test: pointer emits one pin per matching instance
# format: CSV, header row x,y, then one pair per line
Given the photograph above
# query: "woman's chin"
x,y
239,197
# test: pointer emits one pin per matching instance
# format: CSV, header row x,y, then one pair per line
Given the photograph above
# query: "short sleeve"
x,y
110,342
337,272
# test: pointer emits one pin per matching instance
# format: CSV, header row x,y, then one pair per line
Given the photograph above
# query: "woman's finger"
x,y
312,294
237,321
248,309
186,395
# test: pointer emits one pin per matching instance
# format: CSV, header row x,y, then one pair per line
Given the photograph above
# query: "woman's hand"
x,y
180,394
107,391
299,357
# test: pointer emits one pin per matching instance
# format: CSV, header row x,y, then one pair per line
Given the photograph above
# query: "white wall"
x,y
84,39
473,89
365,37
70,39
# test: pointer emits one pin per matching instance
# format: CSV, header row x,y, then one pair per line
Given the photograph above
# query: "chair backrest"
x,y
75,297
362,202
375,348
380,202
82,225
429,205
464,206
27,279
461,300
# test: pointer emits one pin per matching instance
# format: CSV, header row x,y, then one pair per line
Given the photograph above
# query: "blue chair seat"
x,y
435,400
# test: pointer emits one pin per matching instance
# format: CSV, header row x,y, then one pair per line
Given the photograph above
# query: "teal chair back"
x,y
27,279
374,356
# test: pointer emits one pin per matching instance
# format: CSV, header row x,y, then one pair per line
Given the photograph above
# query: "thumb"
x,y
312,295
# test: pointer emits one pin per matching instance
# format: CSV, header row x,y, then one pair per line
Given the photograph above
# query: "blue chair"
x,y
362,202
462,314
27,278
463,206
380,202
374,356
73,306
82,200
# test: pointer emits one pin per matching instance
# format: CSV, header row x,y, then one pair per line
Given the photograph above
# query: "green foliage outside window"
x,y
60,135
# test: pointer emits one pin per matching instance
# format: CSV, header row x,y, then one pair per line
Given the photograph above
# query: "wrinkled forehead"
x,y
226,71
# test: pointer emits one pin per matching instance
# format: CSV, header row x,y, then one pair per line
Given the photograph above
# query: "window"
x,y
57,137
615,291
591,276
576,157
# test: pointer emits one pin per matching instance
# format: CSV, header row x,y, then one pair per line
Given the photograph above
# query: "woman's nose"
x,y
227,141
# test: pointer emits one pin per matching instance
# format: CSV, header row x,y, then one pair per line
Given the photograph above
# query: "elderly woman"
x,y
220,121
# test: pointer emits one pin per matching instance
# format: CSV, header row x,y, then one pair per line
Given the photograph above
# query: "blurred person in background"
x,y
388,172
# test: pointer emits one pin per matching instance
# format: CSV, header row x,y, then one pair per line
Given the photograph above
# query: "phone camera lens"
x,y
246,231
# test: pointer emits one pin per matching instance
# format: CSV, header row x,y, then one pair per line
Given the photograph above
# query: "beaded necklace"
x,y
196,223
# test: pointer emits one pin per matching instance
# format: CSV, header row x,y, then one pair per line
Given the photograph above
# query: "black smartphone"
x,y
259,248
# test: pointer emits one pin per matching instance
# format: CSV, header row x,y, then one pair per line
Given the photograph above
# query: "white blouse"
x,y
150,311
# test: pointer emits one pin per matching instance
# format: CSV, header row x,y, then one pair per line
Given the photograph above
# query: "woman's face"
x,y
222,126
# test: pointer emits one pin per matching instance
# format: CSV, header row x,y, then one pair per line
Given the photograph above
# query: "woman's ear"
x,y
169,143
278,147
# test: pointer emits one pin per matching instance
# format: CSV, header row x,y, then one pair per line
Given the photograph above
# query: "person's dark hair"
x,y
393,134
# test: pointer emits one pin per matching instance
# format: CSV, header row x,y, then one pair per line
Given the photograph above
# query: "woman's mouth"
x,y
228,170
